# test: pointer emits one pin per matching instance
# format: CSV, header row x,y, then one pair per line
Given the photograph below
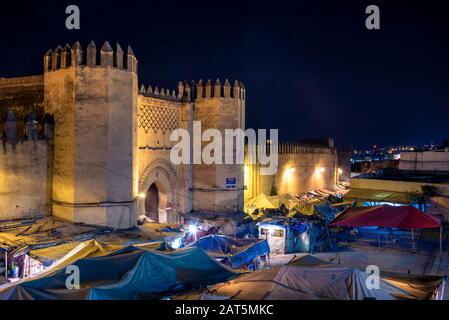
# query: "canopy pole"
x,y
413,240
329,237
441,241
6,264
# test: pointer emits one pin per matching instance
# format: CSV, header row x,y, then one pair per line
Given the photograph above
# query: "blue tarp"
x,y
238,251
131,273
326,210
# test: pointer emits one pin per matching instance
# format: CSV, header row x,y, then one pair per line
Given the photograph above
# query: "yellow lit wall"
x,y
297,173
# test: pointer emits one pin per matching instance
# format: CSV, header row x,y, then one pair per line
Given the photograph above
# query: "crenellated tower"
x,y
93,98
217,187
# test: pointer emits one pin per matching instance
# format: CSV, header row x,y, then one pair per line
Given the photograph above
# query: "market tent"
x,y
442,292
288,200
406,217
60,256
309,278
306,208
314,206
261,202
130,273
377,196
66,253
325,209
238,251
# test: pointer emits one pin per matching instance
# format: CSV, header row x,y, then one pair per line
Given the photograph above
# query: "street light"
x,y
192,229
142,195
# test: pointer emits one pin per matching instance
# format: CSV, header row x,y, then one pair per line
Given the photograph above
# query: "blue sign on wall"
x,y
231,183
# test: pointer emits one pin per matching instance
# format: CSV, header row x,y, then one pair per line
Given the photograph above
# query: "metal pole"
x,y
6,264
441,241
329,237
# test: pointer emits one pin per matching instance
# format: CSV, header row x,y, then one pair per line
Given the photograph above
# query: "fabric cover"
x,y
238,251
309,278
405,217
377,196
132,273
442,292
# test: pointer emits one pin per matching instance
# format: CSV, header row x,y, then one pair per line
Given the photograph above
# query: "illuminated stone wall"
x,y
24,188
24,166
159,113
112,142
301,168
22,95
200,186
94,103
219,107
299,173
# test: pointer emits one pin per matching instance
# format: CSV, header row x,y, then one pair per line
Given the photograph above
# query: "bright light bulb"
x,y
142,195
192,229
176,243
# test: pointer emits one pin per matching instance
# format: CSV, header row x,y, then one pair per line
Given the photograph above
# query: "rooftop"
x,y
407,175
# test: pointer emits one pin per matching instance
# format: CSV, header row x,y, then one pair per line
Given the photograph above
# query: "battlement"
x,y
194,91
303,148
208,91
22,81
61,58
160,93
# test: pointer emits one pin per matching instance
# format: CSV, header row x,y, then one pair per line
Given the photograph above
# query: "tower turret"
x,y
94,104
220,186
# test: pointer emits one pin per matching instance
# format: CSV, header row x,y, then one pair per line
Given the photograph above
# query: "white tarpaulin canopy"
x,y
309,278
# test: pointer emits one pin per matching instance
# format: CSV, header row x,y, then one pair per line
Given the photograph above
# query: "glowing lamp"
x,y
142,195
176,243
289,172
192,229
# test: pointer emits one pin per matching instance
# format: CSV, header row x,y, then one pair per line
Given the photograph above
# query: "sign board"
x,y
231,183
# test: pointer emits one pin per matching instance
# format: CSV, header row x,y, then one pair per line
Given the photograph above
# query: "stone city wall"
x,y
24,188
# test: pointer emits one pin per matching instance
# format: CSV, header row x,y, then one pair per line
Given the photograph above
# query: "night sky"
x,y
311,68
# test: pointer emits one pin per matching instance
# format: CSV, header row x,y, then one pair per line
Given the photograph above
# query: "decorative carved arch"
x,y
160,166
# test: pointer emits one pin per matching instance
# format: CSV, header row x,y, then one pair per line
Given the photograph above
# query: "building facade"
x,y
302,167
85,143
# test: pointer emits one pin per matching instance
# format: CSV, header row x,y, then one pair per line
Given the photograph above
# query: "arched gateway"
x,y
159,184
